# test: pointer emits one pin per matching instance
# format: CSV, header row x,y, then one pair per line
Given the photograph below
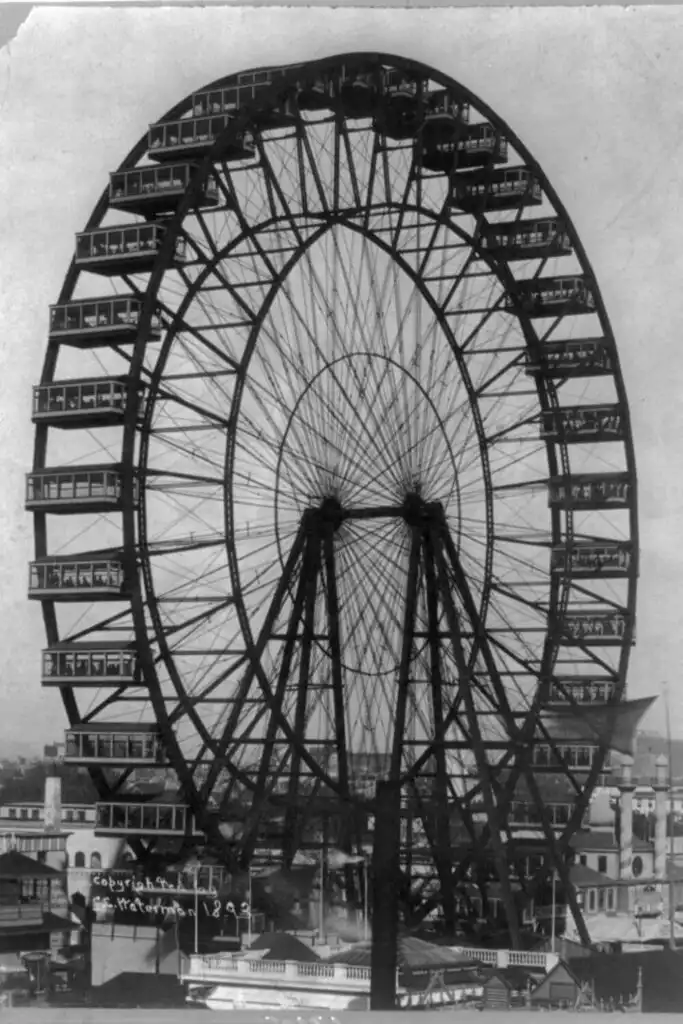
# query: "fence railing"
x,y
225,966
510,957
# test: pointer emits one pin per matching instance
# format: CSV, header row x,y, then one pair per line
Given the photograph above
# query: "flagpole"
x,y
669,818
249,901
365,898
322,891
196,909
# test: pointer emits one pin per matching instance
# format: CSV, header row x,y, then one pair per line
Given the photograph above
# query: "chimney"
x,y
52,817
661,788
626,788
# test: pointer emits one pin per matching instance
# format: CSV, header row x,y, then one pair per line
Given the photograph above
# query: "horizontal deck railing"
x,y
510,957
226,968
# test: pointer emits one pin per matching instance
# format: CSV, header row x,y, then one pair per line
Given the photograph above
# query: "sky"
x,y
593,93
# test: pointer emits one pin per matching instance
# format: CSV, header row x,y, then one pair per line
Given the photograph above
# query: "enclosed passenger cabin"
x,y
195,136
75,489
572,729
553,296
533,238
144,819
592,628
560,756
91,402
590,491
399,106
606,559
495,188
135,744
89,323
565,691
245,90
149,191
209,877
525,812
444,116
128,249
579,424
400,88
570,737
91,664
315,93
475,145
580,357
98,576
358,91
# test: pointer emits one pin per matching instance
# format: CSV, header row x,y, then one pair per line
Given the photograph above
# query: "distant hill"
x,y
649,746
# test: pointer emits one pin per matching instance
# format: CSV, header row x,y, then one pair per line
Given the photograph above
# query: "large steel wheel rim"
x,y
562,455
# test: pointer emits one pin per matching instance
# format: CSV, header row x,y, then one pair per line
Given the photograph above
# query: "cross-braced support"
x,y
464,687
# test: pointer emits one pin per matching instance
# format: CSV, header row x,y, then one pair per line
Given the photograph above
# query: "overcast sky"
x,y
594,94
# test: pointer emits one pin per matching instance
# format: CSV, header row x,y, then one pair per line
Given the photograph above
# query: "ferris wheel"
x,y
333,476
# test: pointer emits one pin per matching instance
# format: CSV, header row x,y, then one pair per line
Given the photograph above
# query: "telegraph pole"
x,y
670,824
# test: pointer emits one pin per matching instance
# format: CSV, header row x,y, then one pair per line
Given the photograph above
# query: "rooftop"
x,y
282,946
605,841
14,865
580,874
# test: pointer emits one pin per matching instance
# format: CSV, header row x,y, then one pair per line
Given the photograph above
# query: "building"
x,y
34,913
625,884
54,752
559,989
600,851
644,800
507,987
62,836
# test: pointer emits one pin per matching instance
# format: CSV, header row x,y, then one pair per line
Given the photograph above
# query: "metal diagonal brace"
x,y
488,794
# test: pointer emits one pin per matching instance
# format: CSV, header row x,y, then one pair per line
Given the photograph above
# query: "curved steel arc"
x,y
289,78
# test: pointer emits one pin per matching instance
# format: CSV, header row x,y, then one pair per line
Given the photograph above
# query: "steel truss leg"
x,y
444,856
513,731
406,655
488,790
262,792
251,671
351,880
309,582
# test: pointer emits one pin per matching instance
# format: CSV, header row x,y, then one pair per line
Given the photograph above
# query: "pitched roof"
x,y
515,978
544,985
15,865
133,989
282,946
413,954
50,923
580,874
619,928
598,841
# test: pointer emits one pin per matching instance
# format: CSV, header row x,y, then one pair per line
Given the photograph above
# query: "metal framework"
x,y
364,493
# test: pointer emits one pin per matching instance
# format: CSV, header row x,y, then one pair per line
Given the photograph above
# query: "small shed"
x,y
560,988
506,987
